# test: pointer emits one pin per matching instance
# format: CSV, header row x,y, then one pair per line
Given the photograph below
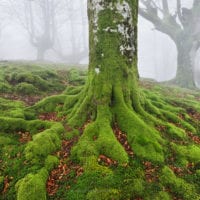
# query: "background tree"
x,y
42,33
4,16
78,42
38,18
182,26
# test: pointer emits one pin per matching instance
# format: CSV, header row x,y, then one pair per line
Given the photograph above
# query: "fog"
x,y
23,29
25,25
153,46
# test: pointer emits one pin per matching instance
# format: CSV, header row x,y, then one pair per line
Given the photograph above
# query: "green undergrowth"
x,y
10,108
25,165
37,79
163,141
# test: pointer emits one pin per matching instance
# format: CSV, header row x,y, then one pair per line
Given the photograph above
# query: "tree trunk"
x,y
184,75
111,94
113,54
40,54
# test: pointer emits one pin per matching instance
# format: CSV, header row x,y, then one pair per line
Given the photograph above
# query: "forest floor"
x,y
36,143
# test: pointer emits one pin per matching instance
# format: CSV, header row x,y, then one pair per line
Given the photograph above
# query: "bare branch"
x,y
165,7
167,24
179,12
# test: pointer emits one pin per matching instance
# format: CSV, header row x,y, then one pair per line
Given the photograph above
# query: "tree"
x,y
43,39
111,94
183,28
39,20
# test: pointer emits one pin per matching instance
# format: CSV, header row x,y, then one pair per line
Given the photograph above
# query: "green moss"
x,y
105,143
73,90
1,183
178,185
51,162
10,108
25,89
103,194
138,186
9,125
150,108
173,118
12,124
5,88
49,104
81,110
190,152
75,77
70,101
84,149
18,113
31,79
162,195
33,186
43,144
91,164
30,114
198,173
175,132
188,126
144,140
170,116
5,140
71,134
133,186
28,78
35,126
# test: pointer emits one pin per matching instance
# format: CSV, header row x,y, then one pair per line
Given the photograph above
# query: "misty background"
x,y
59,30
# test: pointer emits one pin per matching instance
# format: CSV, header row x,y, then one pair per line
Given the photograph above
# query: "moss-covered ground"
x,y
31,82
41,157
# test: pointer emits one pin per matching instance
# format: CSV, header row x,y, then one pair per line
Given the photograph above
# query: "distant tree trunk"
x,y
184,75
40,54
